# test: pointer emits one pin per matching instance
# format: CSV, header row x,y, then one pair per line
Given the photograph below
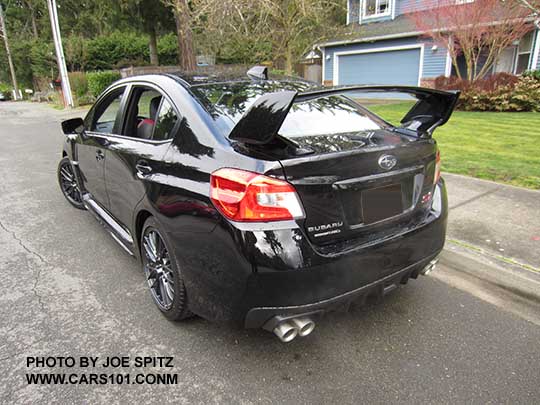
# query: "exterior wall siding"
x,y
434,62
409,6
354,11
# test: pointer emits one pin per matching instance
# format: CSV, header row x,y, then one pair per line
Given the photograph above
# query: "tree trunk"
x,y
34,23
186,54
152,44
288,60
8,54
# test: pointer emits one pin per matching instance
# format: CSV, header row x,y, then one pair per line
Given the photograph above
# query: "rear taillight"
x,y
246,196
437,175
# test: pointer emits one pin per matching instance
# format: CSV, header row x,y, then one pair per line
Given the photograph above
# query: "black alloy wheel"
x,y
68,184
162,274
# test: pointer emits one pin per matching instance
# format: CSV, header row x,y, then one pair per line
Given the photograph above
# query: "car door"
x,y
133,158
102,121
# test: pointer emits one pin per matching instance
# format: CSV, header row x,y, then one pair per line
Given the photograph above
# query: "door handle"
x,y
100,155
143,167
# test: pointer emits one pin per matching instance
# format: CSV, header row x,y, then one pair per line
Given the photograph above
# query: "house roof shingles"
x,y
402,25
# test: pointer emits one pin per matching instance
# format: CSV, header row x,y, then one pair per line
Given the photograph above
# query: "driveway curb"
x,y
512,277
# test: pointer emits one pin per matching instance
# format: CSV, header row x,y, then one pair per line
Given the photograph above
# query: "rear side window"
x,y
107,112
332,115
150,115
166,120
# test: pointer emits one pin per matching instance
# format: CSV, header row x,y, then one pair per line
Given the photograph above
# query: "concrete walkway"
x,y
502,220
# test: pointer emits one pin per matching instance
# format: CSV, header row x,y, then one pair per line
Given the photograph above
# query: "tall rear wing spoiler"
x,y
261,122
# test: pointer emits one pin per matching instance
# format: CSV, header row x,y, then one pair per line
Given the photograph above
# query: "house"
x,y
385,47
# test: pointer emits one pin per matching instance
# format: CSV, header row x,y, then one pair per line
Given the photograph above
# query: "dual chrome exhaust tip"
x,y
429,268
287,330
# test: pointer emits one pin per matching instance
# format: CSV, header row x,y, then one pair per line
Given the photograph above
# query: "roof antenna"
x,y
258,72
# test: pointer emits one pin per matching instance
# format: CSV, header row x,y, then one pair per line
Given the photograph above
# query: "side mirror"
x,y
73,126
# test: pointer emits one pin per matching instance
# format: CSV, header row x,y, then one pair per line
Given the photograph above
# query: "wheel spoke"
x,y
169,292
148,250
66,174
160,248
152,236
152,282
151,273
163,292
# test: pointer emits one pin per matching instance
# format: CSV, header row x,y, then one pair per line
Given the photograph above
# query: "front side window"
x,y
107,112
376,8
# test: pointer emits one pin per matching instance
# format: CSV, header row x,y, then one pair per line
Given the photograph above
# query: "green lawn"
x,y
503,147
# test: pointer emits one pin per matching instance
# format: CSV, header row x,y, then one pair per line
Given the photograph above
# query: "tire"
x,y
162,272
68,184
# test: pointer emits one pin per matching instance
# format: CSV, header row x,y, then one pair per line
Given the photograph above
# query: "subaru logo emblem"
x,y
387,162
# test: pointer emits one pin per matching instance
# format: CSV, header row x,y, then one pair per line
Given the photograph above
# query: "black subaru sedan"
x,y
268,202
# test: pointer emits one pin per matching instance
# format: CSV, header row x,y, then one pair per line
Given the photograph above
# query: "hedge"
x,y
498,92
99,81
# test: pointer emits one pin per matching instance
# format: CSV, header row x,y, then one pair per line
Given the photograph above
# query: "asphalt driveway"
x,y
69,290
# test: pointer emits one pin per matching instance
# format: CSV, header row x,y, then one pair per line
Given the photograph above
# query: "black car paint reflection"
x,y
237,271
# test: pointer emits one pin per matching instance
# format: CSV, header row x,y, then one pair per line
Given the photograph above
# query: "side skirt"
x,y
119,234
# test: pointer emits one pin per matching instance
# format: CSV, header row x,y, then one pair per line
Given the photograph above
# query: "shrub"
x,y
499,92
168,49
99,81
79,84
106,52
86,100
76,48
6,90
535,74
489,84
526,94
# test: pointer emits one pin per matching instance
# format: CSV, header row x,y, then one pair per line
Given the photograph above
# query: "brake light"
x,y
437,174
246,196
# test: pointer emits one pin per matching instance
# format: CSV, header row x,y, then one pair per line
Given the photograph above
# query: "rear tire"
x,y
68,184
162,273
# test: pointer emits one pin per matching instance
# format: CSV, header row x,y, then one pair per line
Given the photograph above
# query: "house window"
x,y
376,8
524,53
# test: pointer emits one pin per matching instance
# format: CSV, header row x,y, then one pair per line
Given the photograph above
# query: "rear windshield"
x,y
330,115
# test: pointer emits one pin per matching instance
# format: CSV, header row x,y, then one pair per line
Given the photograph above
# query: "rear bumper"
x,y
257,317
252,275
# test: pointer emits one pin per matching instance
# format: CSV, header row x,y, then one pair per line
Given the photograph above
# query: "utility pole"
x,y
8,52
66,88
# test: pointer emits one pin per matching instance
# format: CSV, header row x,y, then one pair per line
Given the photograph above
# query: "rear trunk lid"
x,y
367,188
356,175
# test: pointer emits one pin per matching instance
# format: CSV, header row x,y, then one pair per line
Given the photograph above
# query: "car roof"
x,y
193,79
228,76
